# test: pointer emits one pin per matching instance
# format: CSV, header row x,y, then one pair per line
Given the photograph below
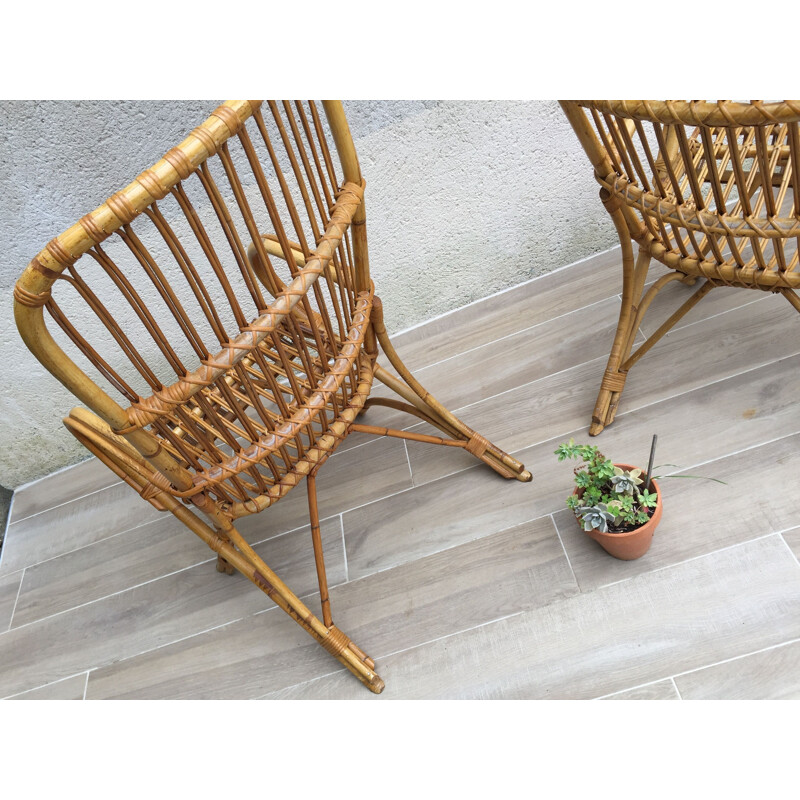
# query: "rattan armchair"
x,y
232,330
708,189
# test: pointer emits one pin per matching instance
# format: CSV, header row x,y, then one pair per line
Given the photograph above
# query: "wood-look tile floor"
x,y
458,583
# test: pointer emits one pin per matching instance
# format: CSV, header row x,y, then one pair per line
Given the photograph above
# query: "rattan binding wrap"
x,y
238,332
709,189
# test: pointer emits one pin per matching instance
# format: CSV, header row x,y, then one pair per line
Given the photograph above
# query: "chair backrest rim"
x,y
722,113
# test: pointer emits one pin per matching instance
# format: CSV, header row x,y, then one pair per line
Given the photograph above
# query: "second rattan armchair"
x,y
708,189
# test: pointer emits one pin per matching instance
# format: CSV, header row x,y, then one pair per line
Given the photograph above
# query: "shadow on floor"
x,y
5,506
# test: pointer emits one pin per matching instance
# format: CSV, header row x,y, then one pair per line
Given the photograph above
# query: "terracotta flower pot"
x,y
635,543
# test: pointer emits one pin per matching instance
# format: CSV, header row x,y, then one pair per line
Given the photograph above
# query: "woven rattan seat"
x,y
707,189
222,303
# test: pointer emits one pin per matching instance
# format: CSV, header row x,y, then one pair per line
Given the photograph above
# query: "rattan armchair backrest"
x,y
708,188
230,322
220,301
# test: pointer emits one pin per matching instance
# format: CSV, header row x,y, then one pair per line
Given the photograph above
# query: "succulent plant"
x,y
626,482
596,517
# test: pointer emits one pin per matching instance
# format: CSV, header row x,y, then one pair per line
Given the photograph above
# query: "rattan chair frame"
x,y
197,445
708,189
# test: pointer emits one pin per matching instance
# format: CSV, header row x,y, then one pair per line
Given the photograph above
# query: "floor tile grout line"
x,y
731,455
160,518
381,656
677,690
59,471
66,502
733,310
461,410
45,685
566,555
89,544
783,539
16,600
631,688
302,683
527,330
408,461
176,641
151,580
735,658
687,560
452,547
605,358
620,416
507,290
86,685
344,550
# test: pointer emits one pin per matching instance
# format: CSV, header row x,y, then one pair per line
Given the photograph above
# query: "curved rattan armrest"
x,y
305,414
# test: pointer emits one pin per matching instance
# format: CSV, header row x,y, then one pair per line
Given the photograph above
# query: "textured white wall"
x,y
463,199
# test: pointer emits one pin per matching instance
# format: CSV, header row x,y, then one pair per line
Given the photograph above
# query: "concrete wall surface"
x,y
464,199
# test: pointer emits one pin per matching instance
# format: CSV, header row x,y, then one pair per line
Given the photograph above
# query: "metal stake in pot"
x,y
649,475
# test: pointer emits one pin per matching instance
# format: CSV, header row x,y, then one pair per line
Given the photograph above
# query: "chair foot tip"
x,y
525,476
377,685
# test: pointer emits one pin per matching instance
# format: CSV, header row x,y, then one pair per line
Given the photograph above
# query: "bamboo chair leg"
x,y
316,539
224,540
613,381
322,577
412,391
634,306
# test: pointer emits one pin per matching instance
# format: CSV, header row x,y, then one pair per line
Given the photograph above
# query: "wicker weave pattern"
x,y
708,189
240,332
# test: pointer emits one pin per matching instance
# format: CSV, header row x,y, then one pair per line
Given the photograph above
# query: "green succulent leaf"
x,y
649,499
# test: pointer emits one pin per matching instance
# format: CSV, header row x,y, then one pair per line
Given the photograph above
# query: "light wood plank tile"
x,y
75,524
674,620
527,356
348,479
792,538
418,522
754,499
123,561
61,487
460,588
109,566
67,689
242,660
661,690
770,675
157,613
538,300
9,588
732,343
704,424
